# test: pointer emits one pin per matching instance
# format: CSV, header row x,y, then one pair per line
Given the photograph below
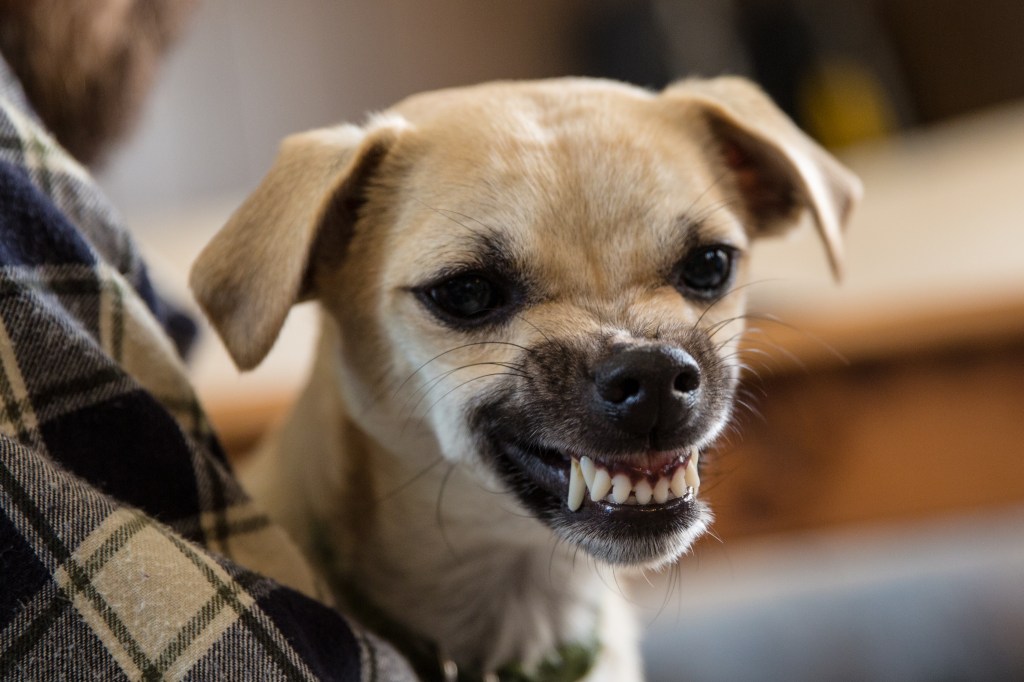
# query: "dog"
x,y
532,296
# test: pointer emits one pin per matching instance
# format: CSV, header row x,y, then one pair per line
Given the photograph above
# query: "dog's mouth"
x,y
628,508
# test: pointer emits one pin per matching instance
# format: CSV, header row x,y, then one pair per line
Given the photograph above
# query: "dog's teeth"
x,y
621,485
589,469
692,477
661,490
601,485
587,475
678,484
577,486
643,491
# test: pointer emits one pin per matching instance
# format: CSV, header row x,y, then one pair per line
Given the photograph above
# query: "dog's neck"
x,y
482,600
429,546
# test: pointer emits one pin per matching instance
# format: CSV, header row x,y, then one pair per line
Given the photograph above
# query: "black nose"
x,y
647,389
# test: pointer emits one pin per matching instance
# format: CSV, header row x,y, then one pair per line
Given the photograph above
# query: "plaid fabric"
x,y
123,534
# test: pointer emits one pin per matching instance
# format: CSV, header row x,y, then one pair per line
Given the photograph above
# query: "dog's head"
x,y
545,278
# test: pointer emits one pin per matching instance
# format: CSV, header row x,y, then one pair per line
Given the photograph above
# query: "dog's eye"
x,y
707,271
467,297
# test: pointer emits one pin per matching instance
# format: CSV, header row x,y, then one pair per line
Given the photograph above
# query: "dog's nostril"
x,y
621,390
687,381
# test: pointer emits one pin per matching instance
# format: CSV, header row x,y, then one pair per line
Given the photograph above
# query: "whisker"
x,y
735,337
750,408
730,292
822,343
711,532
673,582
557,540
380,394
723,173
436,383
522,316
722,324
768,341
427,387
711,211
438,512
468,381
714,207
458,348
444,213
754,383
402,486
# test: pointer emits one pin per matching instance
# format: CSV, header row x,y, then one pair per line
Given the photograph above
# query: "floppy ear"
x,y
258,265
778,169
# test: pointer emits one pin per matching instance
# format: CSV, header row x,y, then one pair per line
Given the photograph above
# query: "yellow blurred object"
x,y
842,102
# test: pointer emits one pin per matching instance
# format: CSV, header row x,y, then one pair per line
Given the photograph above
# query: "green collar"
x,y
567,663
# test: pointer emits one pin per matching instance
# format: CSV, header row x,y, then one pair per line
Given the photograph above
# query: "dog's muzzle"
x,y
606,452
649,392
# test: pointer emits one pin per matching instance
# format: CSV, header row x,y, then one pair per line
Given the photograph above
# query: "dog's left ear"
x,y
259,264
778,169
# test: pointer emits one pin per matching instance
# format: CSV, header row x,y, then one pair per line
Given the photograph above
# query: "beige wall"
x,y
251,71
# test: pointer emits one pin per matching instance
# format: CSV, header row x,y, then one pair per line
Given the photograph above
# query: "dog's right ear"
x,y
257,266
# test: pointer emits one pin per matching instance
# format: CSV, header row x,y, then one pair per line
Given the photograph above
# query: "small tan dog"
x,y
533,297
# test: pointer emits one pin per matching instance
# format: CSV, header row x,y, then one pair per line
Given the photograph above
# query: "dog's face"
x,y
544,278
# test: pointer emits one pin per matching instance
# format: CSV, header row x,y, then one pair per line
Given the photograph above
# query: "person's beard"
x,y
86,65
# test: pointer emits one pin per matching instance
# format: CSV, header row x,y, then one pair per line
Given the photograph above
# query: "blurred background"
x,y
870,502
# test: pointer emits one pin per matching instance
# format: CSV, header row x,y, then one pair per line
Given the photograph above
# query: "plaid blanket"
x,y
127,548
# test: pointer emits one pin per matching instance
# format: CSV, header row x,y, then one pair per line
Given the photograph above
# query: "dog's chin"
x,y
639,530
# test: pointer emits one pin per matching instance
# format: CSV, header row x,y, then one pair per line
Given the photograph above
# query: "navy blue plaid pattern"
x,y
127,548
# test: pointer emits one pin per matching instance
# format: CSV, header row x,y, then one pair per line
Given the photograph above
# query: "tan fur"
x,y
591,183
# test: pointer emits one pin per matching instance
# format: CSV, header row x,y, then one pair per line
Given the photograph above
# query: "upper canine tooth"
x,y
621,485
577,487
692,475
643,491
588,468
679,482
601,485
661,490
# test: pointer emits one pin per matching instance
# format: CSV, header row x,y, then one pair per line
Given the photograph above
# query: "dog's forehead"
x,y
596,175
